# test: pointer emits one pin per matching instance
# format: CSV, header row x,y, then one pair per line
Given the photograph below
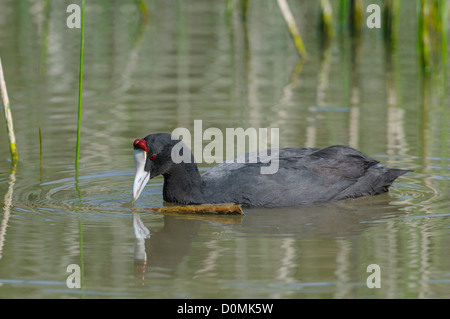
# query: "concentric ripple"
x,y
100,193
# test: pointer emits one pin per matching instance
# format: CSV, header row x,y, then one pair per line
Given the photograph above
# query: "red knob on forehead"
x,y
140,143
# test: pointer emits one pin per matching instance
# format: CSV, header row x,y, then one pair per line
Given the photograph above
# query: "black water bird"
x,y
303,176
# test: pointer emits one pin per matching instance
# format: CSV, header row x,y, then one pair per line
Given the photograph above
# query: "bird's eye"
x,y
152,157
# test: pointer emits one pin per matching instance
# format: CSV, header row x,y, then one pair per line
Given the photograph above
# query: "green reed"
x,y
356,17
326,18
343,14
432,34
80,88
143,9
292,26
245,6
8,117
40,147
80,96
391,18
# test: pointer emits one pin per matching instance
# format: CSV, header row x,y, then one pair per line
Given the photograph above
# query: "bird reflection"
x,y
327,220
165,248
160,252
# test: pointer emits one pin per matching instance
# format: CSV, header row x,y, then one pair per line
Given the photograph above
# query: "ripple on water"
x,y
424,192
99,194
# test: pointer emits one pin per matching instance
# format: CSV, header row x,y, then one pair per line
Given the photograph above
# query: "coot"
x,y
304,176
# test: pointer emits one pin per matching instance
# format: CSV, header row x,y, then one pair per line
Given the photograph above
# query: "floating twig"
x,y
218,209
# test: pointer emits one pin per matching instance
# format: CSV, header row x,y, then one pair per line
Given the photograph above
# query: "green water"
x,y
195,60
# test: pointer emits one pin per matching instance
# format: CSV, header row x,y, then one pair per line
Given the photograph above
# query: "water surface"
x,y
196,60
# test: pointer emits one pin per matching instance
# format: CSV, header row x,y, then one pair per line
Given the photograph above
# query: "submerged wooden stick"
x,y
218,209
8,117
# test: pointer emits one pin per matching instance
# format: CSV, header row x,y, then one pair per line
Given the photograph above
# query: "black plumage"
x,y
304,176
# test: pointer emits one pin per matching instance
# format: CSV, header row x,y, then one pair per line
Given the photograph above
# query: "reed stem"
x,y
8,117
143,9
432,35
80,90
391,16
40,147
326,18
293,29
356,17
343,14
80,96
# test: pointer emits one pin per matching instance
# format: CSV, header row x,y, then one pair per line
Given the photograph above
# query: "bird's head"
x,y
153,156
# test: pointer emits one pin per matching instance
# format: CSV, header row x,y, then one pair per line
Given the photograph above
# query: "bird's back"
x,y
304,176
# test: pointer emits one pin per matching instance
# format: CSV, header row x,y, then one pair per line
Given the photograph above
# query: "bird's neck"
x,y
183,184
